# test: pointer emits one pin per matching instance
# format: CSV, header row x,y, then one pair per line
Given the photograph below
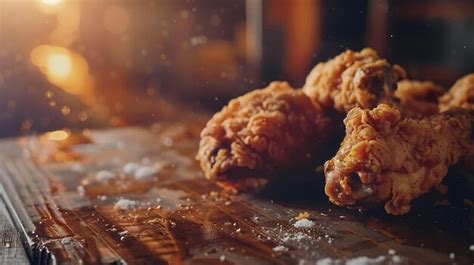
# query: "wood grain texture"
x,y
181,218
11,250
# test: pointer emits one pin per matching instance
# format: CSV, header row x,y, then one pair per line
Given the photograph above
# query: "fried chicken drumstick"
x,y
353,79
276,130
261,133
418,99
460,95
385,159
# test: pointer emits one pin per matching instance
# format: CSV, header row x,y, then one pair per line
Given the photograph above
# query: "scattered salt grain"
x,y
105,175
471,247
7,245
222,258
81,190
280,249
396,259
303,223
102,197
355,261
130,168
77,167
391,252
365,261
145,172
123,233
125,204
452,255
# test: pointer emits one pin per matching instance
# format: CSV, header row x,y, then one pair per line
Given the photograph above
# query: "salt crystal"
x,y
77,167
7,245
81,190
102,197
222,258
303,223
471,247
280,249
391,252
365,261
328,261
145,172
130,168
105,175
396,259
452,255
125,204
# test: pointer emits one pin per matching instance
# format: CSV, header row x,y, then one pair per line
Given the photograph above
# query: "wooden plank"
x,y
179,217
11,250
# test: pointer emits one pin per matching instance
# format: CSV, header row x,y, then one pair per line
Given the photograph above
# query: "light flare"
x,y
59,135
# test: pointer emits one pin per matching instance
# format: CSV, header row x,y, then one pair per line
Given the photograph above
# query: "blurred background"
x,y
87,63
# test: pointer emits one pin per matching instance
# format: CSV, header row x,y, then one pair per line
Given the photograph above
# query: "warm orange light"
x,y
59,135
59,64
51,2
64,68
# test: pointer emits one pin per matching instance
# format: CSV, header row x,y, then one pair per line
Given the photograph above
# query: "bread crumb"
x,y
303,215
303,223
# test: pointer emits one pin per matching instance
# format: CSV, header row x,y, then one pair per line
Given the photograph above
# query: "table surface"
x,y
64,213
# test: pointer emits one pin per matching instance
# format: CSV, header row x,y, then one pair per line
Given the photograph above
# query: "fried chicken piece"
x,y
418,98
460,95
261,134
353,79
385,159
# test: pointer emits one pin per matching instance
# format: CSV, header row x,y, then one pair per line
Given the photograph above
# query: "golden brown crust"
x,y
418,98
385,159
260,134
353,79
460,95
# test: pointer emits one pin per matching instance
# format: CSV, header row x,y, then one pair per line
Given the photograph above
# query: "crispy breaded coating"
x,y
353,79
460,95
418,98
261,134
390,160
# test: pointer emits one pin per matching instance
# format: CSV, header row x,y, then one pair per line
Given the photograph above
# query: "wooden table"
x,y
66,215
